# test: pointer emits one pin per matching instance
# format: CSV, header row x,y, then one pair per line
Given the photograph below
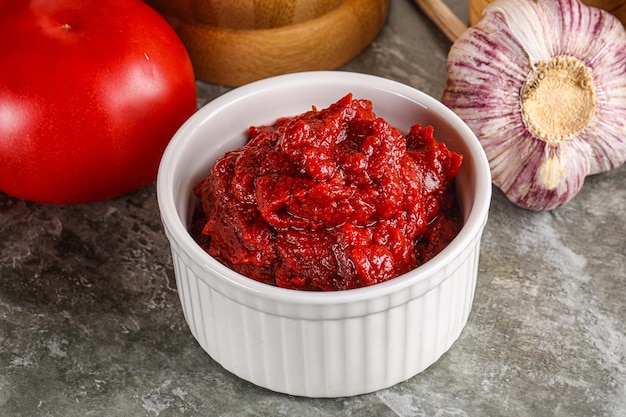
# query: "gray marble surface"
x,y
91,325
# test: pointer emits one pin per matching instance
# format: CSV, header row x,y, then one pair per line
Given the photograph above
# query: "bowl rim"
x,y
177,231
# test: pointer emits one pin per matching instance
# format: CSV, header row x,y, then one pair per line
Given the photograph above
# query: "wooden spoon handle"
x,y
441,15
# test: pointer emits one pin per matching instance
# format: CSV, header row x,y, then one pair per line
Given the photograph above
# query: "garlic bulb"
x,y
543,86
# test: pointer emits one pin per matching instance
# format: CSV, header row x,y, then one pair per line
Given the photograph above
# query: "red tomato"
x,y
90,94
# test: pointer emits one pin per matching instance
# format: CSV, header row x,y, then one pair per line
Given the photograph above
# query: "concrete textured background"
x,y
91,325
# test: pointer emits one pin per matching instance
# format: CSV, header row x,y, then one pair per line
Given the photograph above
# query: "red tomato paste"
x,y
331,199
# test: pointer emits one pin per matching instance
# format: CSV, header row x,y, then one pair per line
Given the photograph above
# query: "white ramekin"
x,y
321,344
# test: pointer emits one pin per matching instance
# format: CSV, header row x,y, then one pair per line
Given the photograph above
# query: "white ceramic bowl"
x,y
312,343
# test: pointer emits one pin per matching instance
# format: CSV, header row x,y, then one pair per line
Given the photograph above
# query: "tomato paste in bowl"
x,y
321,343
331,199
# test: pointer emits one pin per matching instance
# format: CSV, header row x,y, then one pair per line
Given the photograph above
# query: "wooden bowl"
x,y
616,7
234,42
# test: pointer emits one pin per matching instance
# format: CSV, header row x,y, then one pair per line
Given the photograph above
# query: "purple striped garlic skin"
x,y
543,86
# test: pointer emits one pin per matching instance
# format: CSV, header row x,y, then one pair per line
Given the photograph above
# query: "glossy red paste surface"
x,y
331,199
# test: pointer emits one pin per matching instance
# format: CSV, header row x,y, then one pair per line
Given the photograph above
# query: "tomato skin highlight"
x,y
91,92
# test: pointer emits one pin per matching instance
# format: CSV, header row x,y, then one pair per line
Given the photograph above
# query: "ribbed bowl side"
x,y
329,358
